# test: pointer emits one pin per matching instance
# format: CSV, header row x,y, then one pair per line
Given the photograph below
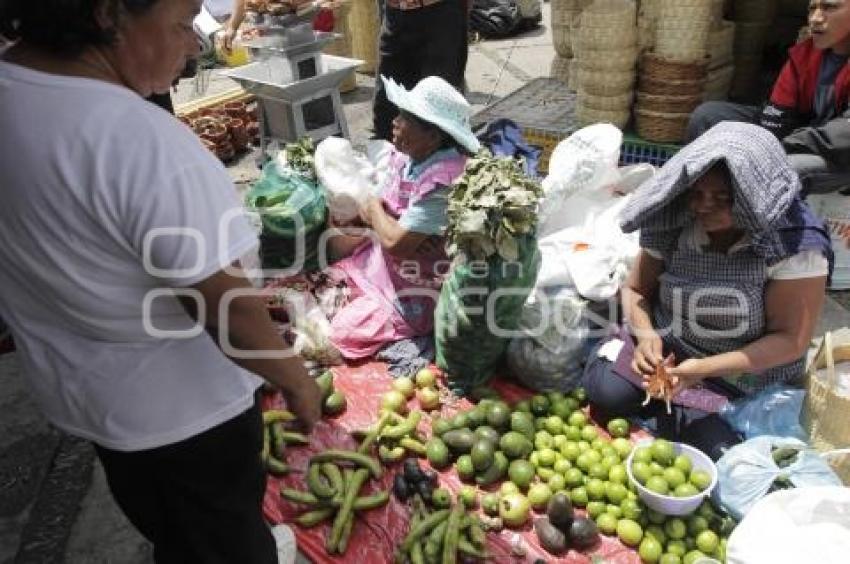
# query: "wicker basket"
x,y
561,40
618,103
754,10
655,67
750,38
681,45
605,83
672,15
593,37
668,4
718,83
589,116
365,29
648,8
670,104
671,87
560,68
606,60
342,47
660,127
721,41
610,13
716,12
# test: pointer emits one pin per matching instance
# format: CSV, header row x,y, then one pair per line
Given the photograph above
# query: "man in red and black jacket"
x,y
812,90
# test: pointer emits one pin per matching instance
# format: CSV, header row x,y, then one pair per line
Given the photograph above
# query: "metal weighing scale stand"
x,y
296,85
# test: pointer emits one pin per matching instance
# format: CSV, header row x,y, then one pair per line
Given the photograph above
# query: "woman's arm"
x,y
250,328
233,23
792,310
394,238
636,297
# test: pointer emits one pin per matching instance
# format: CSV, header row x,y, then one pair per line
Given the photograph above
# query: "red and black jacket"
x,y
791,102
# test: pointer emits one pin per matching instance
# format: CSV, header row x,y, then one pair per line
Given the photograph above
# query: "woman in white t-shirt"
x,y
726,290
120,231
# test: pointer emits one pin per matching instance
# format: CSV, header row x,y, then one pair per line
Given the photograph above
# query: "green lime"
x,y
656,532
655,517
642,454
674,477
632,509
707,541
675,528
658,485
521,472
572,433
546,457
668,558
577,419
607,523
677,547
598,470
614,511
574,477
589,433
508,488
685,490
700,478
696,525
570,451
578,496
683,463
650,550
657,469
562,465
595,489
557,482
617,474
545,473
558,442
622,446
692,557
554,424
616,492
595,509
583,445
641,471
543,439
618,427
601,444
663,452
629,531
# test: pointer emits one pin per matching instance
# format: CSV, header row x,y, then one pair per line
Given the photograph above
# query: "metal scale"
x,y
296,85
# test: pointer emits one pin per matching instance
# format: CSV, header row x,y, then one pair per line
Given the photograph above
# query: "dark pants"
x,y
429,41
816,175
613,396
199,500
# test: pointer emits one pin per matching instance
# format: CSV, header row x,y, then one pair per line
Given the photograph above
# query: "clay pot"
x,y
239,134
235,109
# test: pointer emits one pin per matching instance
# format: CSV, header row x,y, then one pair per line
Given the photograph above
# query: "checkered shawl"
x,y
766,189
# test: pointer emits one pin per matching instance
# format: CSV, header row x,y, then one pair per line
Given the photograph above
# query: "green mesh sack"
x,y
466,346
282,196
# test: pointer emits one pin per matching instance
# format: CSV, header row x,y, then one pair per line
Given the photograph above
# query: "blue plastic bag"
x,y
773,411
746,472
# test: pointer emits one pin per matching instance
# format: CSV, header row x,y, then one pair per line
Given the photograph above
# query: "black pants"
x,y
199,500
613,396
429,41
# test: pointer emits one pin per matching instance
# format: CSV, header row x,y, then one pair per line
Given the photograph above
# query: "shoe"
x,y
287,548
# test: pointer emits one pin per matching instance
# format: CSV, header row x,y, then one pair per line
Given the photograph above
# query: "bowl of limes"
x,y
671,478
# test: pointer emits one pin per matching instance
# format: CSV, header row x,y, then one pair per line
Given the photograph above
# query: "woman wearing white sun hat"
x,y
396,273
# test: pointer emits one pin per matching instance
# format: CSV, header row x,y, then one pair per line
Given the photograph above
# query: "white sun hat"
x,y
436,101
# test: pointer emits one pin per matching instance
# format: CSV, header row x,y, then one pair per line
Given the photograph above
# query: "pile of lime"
x,y
660,470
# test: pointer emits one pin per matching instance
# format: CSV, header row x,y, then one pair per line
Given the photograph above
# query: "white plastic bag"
x,y
347,177
746,472
311,327
794,527
379,153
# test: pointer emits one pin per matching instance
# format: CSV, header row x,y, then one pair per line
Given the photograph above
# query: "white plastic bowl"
x,y
667,504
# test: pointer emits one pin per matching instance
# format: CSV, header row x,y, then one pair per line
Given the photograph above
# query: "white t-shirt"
x,y
805,264
87,171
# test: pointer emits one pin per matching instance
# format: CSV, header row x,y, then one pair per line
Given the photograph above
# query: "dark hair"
x,y
64,27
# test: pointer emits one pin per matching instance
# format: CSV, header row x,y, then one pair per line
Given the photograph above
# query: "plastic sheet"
x,y
377,533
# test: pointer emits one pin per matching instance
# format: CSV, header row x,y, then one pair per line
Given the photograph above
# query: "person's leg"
x,y
816,176
446,39
610,394
709,114
199,500
397,54
708,432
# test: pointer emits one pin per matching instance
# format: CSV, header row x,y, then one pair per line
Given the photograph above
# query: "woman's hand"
x,y
304,400
227,37
688,374
648,354
368,210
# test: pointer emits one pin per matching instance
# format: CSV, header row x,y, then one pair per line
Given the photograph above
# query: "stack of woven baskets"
x,y
647,16
721,39
365,25
753,20
673,74
341,47
565,14
607,53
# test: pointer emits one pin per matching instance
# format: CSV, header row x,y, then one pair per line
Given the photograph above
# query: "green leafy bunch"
x,y
492,204
299,157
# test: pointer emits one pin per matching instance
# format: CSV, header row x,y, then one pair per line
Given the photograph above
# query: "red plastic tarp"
x,y
377,533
